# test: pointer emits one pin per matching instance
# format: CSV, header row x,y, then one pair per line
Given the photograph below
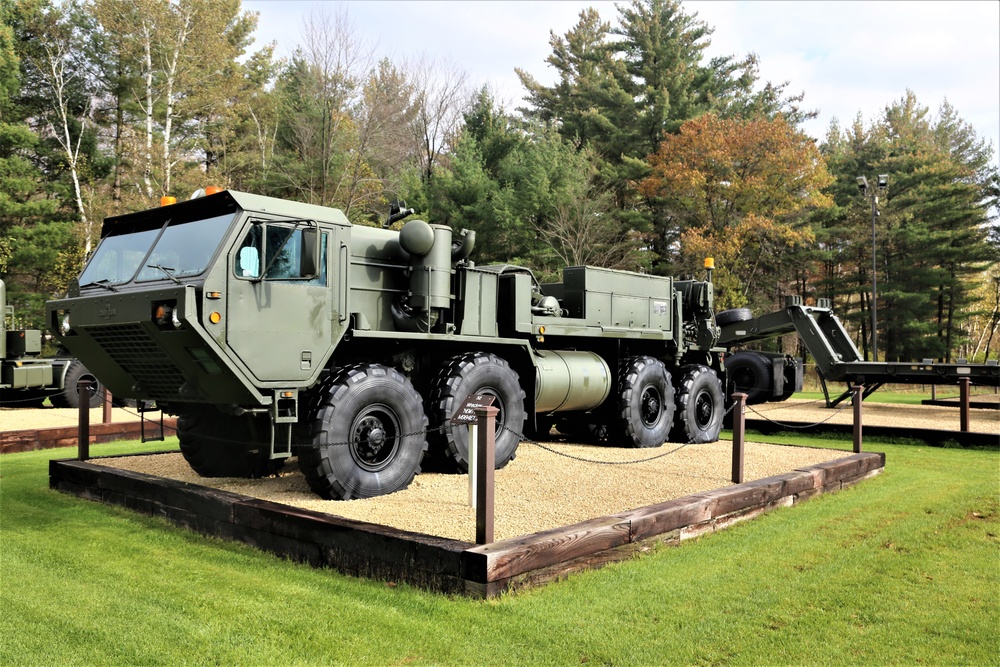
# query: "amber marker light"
x,y
167,201
213,295
709,262
213,190
215,317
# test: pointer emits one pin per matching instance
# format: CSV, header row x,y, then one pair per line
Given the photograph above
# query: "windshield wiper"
x,y
103,282
169,272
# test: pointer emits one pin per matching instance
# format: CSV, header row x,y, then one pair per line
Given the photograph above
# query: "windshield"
x,y
183,249
118,257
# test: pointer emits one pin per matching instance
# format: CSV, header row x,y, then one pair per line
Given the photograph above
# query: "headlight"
x,y
165,315
64,326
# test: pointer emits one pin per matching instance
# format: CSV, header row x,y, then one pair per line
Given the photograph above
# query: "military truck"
x,y
27,378
275,328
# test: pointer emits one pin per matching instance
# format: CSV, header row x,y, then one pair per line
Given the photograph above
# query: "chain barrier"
x,y
617,463
447,427
797,426
37,398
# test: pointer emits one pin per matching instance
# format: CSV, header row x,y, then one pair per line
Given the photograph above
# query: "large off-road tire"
x,y
733,316
219,445
750,373
69,397
476,373
368,435
645,402
700,406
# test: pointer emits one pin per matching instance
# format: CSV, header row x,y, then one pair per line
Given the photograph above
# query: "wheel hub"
x,y
650,406
703,409
370,441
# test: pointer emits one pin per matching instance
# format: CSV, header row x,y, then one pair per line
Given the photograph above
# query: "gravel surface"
x,y
538,490
541,490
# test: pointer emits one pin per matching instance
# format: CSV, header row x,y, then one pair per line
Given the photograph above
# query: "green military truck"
x,y
27,378
274,328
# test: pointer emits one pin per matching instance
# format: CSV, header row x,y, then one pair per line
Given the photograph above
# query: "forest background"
x,y
644,154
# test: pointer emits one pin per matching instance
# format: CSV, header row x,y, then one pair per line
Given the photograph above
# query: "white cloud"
x,y
848,57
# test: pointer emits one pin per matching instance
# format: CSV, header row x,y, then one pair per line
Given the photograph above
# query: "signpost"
x,y
478,413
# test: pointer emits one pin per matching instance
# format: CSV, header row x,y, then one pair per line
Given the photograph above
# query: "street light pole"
x,y
882,184
874,282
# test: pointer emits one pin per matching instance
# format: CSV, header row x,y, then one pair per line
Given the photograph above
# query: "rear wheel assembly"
x,y
645,401
476,373
368,435
700,406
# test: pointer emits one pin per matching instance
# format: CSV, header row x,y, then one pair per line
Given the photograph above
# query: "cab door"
x,y
281,319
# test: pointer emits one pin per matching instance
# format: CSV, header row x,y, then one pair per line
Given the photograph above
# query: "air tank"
x,y
570,380
429,247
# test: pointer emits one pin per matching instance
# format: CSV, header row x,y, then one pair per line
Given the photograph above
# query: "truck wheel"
x,y
69,397
368,435
733,316
477,373
700,406
646,401
219,445
749,373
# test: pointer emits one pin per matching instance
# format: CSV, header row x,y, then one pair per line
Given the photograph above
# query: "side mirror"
x,y
248,262
309,261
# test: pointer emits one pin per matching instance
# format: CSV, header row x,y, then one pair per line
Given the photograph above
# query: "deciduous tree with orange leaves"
x,y
741,191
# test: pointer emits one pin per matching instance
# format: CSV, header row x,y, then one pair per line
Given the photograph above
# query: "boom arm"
x,y
838,358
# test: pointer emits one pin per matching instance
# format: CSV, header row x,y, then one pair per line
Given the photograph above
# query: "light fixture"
x,y
862,184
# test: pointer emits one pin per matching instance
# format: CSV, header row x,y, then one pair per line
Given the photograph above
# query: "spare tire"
x,y
733,316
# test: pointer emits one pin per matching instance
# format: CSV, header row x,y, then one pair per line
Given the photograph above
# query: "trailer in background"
x,y
774,377
27,378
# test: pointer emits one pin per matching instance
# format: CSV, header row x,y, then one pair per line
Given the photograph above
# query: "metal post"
x,y
486,466
963,391
739,435
857,400
83,388
107,406
874,282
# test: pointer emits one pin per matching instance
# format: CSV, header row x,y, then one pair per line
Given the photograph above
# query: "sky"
x,y
849,58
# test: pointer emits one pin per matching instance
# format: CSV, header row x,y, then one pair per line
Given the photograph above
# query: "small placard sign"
x,y
466,413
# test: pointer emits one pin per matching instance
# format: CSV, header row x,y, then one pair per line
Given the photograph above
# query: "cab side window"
x,y
277,250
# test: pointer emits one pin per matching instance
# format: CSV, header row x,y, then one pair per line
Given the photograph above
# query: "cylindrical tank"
x,y
430,264
570,380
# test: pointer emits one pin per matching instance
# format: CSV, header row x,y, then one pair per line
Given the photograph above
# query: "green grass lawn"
x,y
901,569
899,397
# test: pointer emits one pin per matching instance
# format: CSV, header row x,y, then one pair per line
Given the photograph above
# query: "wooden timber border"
x,y
47,438
446,565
